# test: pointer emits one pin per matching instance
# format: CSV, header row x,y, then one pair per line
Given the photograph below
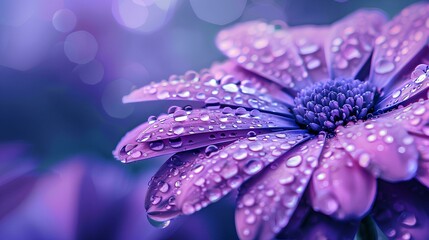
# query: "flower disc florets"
x,y
324,106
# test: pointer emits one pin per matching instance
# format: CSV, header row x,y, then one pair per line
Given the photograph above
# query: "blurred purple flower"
x,y
83,199
330,109
16,180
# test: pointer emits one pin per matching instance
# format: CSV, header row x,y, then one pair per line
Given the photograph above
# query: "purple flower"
x,y
303,120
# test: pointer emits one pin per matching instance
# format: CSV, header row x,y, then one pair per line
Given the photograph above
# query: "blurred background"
x,y
64,67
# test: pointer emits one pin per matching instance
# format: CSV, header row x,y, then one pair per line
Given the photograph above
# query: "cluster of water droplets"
x,y
415,86
266,49
402,39
352,43
266,203
212,89
187,128
399,211
194,180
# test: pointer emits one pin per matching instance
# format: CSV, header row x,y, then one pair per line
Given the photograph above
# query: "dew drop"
x,y
158,224
253,166
240,154
164,188
156,145
294,161
248,200
286,178
211,149
384,66
180,116
178,130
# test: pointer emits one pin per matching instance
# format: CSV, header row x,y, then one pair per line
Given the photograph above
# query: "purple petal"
x,y
381,146
235,87
414,118
311,50
253,84
401,210
266,203
190,129
340,187
351,42
404,92
265,49
17,190
319,226
401,45
422,144
190,181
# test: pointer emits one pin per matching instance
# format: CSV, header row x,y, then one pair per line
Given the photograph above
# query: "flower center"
x,y
324,106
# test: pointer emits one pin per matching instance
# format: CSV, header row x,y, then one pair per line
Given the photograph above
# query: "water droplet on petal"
x,y
158,224
294,161
384,66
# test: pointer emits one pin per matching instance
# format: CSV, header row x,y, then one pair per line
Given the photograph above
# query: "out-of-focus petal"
x,y
381,146
414,118
401,45
340,187
190,181
351,42
190,129
252,83
265,49
412,89
401,210
422,143
311,49
235,88
318,226
267,202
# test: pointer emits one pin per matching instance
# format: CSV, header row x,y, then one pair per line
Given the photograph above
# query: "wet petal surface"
x,y
413,88
351,42
401,210
223,85
195,179
381,146
340,187
311,49
402,40
266,203
319,226
184,130
266,49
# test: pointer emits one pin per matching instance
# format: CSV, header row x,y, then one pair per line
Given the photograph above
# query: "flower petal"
x,y
265,49
319,226
190,129
266,203
193,180
402,41
404,92
381,146
422,143
252,83
414,118
351,42
235,88
311,49
340,187
401,210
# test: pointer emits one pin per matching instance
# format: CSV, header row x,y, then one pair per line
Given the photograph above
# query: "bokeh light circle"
x,y
80,47
129,14
90,73
64,20
218,12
